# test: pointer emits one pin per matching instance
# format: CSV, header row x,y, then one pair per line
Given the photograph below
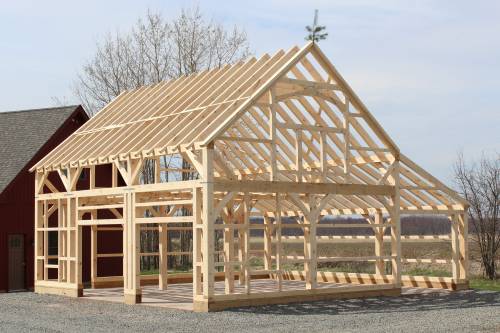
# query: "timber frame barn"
x,y
278,136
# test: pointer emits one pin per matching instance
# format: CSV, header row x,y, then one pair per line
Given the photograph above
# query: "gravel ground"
x,y
467,311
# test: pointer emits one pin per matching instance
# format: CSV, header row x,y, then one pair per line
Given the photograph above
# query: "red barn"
x,y
25,137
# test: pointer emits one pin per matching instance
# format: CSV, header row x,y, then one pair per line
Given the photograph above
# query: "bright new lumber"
x,y
100,222
307,84
172,219
367,239
164,203
258,93
119,191
301,187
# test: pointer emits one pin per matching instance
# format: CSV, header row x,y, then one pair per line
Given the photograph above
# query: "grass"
x,y
484,284
410,250
426,271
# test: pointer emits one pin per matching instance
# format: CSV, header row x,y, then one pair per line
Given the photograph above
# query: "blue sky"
x,y
428,70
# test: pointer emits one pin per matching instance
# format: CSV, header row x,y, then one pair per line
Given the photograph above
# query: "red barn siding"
x,y
17,210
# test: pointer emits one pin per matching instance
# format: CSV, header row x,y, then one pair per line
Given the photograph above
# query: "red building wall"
x,y
17,211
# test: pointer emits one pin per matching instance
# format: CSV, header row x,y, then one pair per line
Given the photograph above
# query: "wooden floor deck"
x,y
179,295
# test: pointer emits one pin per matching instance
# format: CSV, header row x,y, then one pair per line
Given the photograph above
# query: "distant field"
x,y
435,250
410,250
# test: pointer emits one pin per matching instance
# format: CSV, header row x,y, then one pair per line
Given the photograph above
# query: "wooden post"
x,y
92,177
246,222
323,156
455,248
272,134
396,229
379,244
39,224
298,155
39,207
279,248
197,241
64,241
163,262
77,247
93,250
69,241
114,175
347,141
241,252
228,253
208,223
59,241
463,245
131,250
310,246
157,171
267,243
45,240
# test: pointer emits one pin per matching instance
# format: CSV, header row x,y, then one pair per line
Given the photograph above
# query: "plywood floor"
x,y
179,296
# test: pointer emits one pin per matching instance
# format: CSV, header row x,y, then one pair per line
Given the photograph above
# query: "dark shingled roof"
x,y
23,133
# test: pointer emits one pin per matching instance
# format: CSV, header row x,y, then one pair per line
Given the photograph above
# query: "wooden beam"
x,y
131,249
258,93
208,219
197,243
396,228
273,134
163,257
301,187
379,244
309,84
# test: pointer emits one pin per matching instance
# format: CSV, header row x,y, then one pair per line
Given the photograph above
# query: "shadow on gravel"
x,y
454,300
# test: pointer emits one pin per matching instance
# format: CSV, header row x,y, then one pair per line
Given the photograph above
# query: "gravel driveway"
x,y
458,312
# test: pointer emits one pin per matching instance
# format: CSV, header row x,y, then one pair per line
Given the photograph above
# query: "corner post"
x,y
78,247
455,254
208,222
463,228
39,225
279,247
131,248
246,221
396,229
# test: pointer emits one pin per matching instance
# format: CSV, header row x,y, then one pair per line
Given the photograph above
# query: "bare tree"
x,y
480,185
155,50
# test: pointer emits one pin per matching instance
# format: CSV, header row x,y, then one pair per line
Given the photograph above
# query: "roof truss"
x,y
289,117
